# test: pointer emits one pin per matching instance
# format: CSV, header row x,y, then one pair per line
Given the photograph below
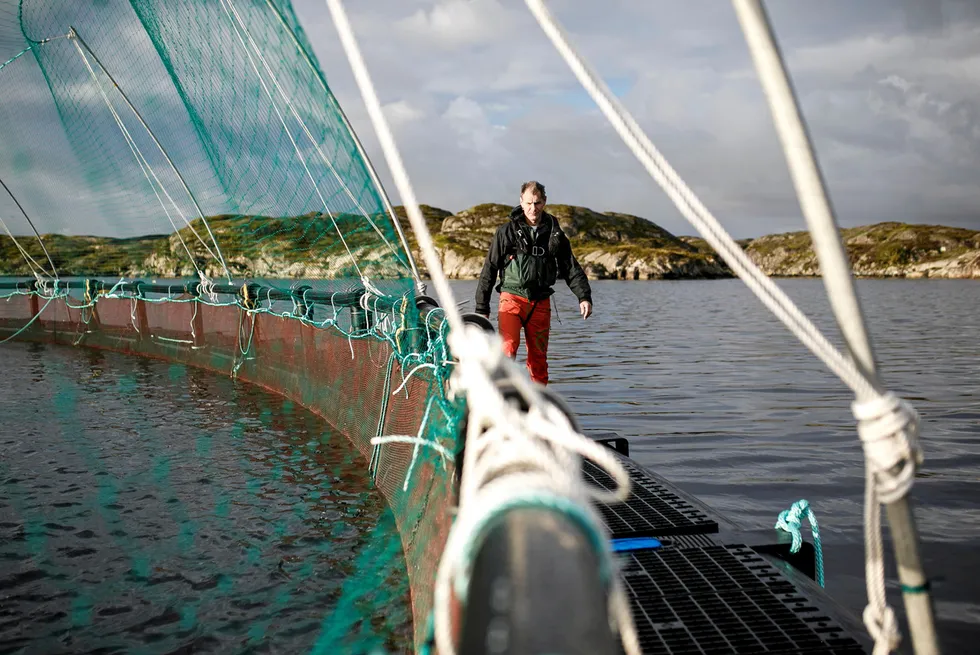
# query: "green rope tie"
x,y
790,520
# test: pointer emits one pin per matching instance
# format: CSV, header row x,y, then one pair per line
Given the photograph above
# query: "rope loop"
x,y
791,521
207,287
883,628
889,430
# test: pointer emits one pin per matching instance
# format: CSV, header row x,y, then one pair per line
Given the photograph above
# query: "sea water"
x,y
149,507
717,396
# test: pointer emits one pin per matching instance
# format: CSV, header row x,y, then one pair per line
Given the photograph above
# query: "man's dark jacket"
x,y
528,264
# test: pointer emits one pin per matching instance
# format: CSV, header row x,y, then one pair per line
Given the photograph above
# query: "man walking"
x,y
529,253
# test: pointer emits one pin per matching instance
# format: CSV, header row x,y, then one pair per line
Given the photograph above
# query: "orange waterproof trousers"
x,y
535,317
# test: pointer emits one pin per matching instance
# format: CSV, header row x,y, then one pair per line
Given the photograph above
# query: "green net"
x,y
206,124
179,182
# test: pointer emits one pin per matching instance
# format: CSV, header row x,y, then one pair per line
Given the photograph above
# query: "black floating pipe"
x,y
425,304
360,318
481,322
536,588
21,285
250,294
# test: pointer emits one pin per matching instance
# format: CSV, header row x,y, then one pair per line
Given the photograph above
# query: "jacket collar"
x,y
517,217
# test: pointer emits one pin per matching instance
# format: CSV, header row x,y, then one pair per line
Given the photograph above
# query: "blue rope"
x,y
790,520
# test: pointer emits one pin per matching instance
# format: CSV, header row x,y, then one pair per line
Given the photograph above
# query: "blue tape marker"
x,y
634,543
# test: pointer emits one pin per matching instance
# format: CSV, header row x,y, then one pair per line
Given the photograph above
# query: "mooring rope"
x,y
891,435
511,459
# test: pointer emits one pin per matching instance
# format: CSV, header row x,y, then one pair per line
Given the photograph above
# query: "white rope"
x,y
306,130
510,457
144,164
408,377
206,287
296,148
515,459
80,42
887,426
891,448
694,211
31,262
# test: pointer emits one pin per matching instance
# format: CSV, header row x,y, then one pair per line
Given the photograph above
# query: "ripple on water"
x,y
154,507
715,395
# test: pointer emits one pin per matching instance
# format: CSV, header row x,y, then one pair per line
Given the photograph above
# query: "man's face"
x,y
533,205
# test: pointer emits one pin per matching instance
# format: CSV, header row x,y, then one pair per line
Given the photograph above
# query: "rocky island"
x,y
609,245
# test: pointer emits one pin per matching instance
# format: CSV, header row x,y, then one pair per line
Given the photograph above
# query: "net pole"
x,y
836,269
372,173
73,34
54,270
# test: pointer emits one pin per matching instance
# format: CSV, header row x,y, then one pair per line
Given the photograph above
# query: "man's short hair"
x,y
536,187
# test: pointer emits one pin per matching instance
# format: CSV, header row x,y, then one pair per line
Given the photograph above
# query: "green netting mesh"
x,y
144,118
201,198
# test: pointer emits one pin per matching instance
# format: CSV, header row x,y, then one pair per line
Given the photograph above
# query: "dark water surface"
x,y
153,508
146,507
718,397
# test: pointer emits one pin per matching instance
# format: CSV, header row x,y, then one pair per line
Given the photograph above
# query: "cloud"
x,y
479,101
690,83
401,112
458,24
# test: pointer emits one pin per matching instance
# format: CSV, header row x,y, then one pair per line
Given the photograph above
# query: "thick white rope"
x,y
887,425
515,459
306,130
694,211
510,457
890,465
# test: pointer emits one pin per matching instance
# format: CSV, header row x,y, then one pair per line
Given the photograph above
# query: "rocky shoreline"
x,y
609,245
620,246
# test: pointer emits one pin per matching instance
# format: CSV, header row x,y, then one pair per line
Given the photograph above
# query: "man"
x,y
529,253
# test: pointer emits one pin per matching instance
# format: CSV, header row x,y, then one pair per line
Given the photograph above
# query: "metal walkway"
x,y
707,588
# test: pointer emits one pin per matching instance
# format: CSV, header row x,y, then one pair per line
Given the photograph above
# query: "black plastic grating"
x,y
687,571
651,510
723,599
686,541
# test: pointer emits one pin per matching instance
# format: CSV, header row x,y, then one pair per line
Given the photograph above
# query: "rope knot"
x,y
206,287
791,521
889,430
883,628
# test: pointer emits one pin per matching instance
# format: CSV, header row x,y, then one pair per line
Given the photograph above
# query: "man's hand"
x,y
585,307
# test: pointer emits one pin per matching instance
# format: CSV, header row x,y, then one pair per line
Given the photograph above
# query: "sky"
x,y
479,102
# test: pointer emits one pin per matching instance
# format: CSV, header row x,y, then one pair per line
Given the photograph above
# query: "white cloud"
x,y
474,130
459,23
401,112
480,101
